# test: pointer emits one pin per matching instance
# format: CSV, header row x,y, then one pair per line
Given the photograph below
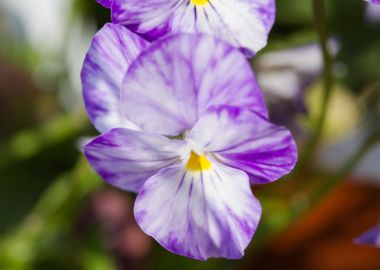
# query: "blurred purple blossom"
x,y
373,13
371,237
285,75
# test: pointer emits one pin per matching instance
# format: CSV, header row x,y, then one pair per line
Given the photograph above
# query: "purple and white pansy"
x,y
184,125
242,23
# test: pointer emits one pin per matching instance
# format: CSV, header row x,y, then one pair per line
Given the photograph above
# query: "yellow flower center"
x,y
199,2
197,163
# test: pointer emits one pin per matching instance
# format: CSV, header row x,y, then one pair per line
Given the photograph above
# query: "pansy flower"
x,y
242,23
372,237
186,128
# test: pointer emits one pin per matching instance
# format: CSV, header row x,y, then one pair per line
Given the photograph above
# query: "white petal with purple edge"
x,y
244,140
168,87
242,23
112,51
199,215
127,158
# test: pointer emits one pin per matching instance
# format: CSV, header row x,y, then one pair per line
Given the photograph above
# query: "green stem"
x,y
330,182
322,29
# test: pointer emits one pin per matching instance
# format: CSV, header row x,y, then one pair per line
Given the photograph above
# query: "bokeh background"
x,y
56,213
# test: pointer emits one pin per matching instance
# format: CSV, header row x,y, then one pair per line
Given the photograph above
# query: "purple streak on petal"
x,y
112,51
105,3
127,158
372,237
243,139
149,17
199,215
173,83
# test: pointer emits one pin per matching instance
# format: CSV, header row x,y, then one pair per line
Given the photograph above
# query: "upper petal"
x,y
242,23
112,51
105,3
243,139
127,158
199,214
168,87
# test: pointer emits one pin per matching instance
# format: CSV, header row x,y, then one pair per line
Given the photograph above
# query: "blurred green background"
x,y
56,213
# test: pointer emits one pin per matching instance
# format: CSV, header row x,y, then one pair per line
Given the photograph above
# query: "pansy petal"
x,y
105,3
168,87
112,51
127,158
199,214
148,17
242,23
374,1
243,139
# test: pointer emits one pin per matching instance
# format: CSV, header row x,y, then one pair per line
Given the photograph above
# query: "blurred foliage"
x,y
45,181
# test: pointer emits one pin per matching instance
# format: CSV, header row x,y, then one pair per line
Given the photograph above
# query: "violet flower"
x,y
242,23
284,76
189,133
372,237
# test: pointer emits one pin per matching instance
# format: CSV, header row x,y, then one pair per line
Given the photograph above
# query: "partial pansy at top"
x,y
186,128
242,23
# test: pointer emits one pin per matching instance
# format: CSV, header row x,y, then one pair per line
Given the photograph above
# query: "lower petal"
x,y
199,214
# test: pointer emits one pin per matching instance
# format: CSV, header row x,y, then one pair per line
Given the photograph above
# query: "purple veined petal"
x,y
372,237
126,158
168,87
244,140
105,3
242,23
149,18
199,215
112,51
